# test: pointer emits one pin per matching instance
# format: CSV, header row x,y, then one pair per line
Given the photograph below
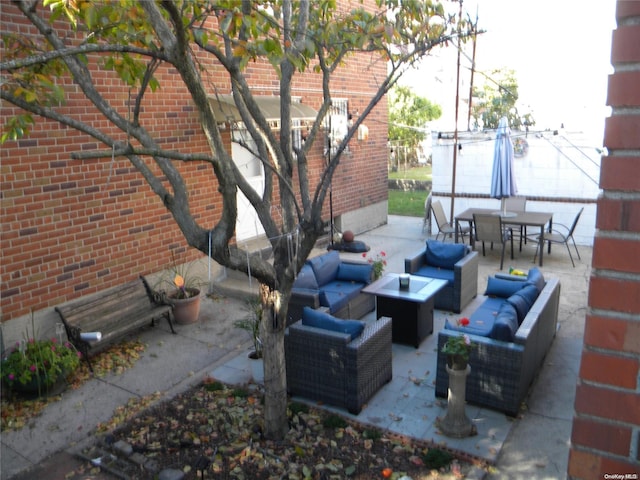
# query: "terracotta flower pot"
x,y
187,310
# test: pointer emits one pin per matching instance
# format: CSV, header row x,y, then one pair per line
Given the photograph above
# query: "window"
x,y
338,124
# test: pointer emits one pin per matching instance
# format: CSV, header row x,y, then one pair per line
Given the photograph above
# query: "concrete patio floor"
x,y
533,446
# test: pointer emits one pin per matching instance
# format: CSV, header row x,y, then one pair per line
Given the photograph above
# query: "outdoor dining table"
x,y
527,219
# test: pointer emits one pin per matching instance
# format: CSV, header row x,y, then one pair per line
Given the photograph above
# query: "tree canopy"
x,y
201,41
408,116
496,97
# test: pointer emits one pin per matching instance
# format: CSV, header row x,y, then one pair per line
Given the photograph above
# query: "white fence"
x,y
558,173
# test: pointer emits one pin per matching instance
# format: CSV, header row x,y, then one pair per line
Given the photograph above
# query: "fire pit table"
x,y
410,308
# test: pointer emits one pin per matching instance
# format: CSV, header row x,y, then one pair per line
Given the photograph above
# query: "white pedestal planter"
x,y
456,424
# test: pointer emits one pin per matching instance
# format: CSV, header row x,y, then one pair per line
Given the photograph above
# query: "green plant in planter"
x,y
186,284
379,262
39,362
251,323
459,347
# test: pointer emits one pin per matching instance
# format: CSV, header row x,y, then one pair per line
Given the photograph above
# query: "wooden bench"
x,y
114,313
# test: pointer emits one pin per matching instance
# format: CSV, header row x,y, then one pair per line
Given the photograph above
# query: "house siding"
x,y
72,228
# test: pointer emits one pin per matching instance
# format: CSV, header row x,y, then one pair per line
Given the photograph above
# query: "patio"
x,y
535,445
407,405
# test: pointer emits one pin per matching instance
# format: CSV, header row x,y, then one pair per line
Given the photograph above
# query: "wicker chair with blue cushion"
x,y
334,284
456,263
338,362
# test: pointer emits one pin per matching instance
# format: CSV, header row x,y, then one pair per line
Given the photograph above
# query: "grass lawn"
x,y
415,173
410,204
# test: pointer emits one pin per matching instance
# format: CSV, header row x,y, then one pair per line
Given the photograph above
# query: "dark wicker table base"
x,y
412,321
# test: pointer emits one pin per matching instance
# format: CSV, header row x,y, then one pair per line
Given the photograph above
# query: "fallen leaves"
x,y
221,427
18,412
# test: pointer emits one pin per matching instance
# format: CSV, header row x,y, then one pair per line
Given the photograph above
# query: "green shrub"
x,y
435,459
334,421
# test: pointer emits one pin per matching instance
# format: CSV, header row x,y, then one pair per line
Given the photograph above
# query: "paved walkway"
x,y
533,446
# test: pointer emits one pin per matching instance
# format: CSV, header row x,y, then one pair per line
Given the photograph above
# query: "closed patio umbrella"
x,y
503,180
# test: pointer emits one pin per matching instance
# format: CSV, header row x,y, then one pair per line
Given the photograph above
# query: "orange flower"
x,y
179,281
386,472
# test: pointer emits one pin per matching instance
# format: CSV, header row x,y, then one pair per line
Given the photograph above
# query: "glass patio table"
x,y
527,219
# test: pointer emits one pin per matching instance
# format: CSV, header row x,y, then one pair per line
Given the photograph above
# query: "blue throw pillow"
x,y
499,287
319,319
522,300
352,272
306,278
506,324
535,278
444,255
325,267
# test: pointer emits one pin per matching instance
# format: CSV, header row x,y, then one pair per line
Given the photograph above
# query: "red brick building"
x,y
606,427
72,228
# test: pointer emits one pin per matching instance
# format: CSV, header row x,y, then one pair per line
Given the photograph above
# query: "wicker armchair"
x,y
463,286
328,367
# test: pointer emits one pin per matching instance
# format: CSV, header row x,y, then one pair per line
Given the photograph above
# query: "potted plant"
x,y
378,262
39,367
185,298
251,323
458,348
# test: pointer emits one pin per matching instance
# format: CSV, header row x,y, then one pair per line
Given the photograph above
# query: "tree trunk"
x,y
272,328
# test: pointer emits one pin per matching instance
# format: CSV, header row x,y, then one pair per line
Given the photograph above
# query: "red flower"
x,y
464,321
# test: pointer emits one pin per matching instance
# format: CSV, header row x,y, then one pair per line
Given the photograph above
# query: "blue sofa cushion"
x,y
319,319
499,287
481,321
535,277
335,295
522,300
355,272
325,267
435,272
444,255
506,323
306,278
475,327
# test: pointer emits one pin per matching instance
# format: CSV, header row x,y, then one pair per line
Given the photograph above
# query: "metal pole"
x,y
330,184
473,68
455,132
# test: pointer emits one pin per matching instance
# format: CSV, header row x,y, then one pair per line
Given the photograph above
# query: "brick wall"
x,y
71,228
606,426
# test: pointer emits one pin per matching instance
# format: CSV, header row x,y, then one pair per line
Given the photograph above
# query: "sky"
x,y
560,51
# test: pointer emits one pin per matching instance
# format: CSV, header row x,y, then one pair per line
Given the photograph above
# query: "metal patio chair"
x,y
518,204
444,226
490,228
426,221
561,236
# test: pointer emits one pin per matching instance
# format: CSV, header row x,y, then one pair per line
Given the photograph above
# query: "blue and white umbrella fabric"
x,y
503,180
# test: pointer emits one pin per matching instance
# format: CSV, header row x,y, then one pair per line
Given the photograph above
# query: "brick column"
x,y
606,426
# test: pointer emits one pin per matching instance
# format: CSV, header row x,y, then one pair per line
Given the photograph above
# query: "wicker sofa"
x,y
331,367
502,371
456,263
335,284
